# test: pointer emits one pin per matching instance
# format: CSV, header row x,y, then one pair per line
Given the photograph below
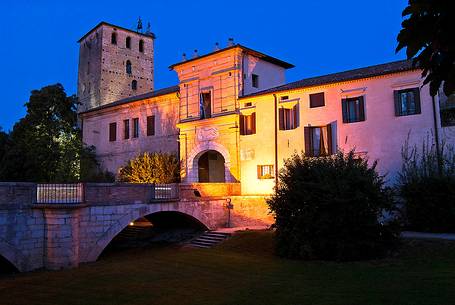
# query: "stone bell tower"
x,y
114,63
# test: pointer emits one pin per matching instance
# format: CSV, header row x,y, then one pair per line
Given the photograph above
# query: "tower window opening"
x,y
114,38
128,42
134,85
129,69
141,46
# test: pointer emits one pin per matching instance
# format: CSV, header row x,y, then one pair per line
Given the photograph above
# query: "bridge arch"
x,y
12,255
143,211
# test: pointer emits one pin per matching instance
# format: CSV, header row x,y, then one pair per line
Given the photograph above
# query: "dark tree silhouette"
x,y
428,34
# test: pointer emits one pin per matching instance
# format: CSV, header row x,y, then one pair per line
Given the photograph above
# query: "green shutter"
x,y
253,123
307,140
329,139
344,107
281,118
242,124
361,108
417,100
396,98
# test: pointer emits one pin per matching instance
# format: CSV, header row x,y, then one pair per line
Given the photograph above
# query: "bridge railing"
x,y
57,193
165,191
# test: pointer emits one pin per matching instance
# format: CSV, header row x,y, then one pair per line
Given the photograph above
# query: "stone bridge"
x,y
38,231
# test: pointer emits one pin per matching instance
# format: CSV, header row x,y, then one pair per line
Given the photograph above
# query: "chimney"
x,y
184,57
195,54
230,42
217,46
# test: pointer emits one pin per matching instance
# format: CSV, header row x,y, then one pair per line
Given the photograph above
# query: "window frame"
x,y
309,140
114,38
135,128
247,124
129,67
315,98
254,80
270,172
360,112
126,129
397,94
289,118
128,42
151,121
113,132
202,109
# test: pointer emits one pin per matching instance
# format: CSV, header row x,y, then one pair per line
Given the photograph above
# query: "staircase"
x,y
209,239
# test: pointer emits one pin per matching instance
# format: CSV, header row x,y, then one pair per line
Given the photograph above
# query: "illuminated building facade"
x,y
233,119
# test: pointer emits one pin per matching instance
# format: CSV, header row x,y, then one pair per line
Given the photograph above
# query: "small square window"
x,y
317,100
265,172
255,80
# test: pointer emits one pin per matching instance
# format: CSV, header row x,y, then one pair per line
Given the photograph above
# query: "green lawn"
x,y
242,271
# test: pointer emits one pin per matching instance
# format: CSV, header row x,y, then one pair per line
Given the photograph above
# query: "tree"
x,y
151,168
428,34
330,208
45,145
4,139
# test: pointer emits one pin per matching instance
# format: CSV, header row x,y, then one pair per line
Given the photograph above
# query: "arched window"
x,y
128,42
114,38
141,46
134,85
129,69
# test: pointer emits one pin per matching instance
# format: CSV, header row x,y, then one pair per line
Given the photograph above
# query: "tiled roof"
x,y
258,54
377,70
136,98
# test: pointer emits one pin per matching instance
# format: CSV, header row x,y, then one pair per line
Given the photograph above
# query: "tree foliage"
x,y
151,168
428,193
45,145
329,208
428,34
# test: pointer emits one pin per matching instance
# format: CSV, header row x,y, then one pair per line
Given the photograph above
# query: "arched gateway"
x,y
211,167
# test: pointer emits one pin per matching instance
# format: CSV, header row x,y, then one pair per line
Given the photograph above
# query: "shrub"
x,y
428,188
151,168
328,208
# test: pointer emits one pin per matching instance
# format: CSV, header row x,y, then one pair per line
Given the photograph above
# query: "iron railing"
x,y
166,191
60,193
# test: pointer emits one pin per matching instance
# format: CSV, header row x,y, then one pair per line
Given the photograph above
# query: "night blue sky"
x,y
319,37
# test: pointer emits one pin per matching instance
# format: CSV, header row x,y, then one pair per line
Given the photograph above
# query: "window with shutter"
x,y
151,125
112,132
353,109
318,141
407,102
289,118
248,124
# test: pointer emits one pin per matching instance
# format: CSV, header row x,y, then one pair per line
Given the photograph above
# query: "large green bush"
x,y
428,188
329,208
151,168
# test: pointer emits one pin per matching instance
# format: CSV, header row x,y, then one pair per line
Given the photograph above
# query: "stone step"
x,y
209,239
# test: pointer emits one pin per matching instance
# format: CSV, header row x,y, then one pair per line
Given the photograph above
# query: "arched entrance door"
x,y
211,167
